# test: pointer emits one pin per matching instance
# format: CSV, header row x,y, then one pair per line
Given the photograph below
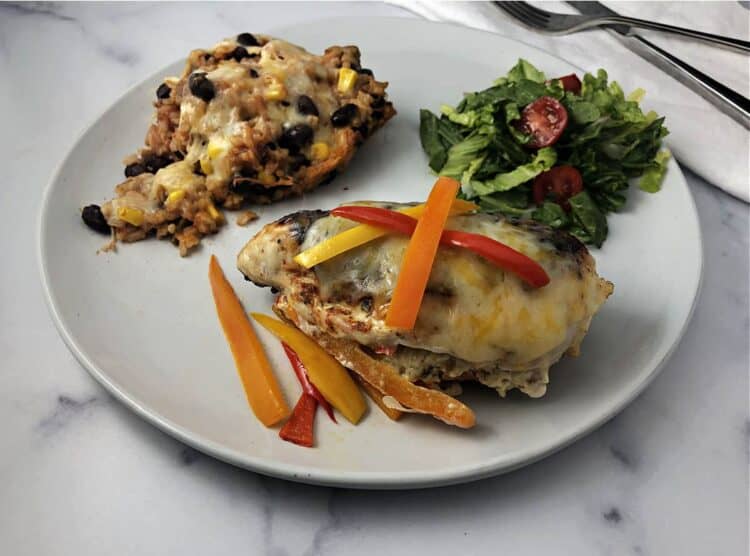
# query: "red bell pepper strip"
x,y
299,427
307,386
503,256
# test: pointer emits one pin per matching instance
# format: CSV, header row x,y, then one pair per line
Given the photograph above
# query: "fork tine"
x,y
538,13
526,13
532,14
512,10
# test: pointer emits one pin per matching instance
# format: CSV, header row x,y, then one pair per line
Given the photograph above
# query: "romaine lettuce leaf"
x,y
652,178
544,160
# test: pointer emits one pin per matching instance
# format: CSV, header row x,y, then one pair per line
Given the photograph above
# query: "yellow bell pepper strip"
x,y
419,256
261,388
359,235
307,386
327,374
376,396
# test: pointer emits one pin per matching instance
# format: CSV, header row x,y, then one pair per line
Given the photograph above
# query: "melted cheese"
x,y
472,309
240,109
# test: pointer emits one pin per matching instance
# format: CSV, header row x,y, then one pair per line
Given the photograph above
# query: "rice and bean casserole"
x,y
254,119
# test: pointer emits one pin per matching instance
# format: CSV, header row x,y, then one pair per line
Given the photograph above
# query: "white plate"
x,y
142,320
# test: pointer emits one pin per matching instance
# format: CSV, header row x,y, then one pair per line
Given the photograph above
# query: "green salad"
x,y
560,151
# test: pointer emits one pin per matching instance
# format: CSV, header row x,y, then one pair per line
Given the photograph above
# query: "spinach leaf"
x,y
588,217
430,138
551,214
514,202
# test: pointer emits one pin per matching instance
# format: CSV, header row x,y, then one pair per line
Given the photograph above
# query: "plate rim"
x,y
300,473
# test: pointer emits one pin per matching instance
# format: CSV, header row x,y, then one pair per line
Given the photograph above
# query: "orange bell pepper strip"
x,y
299,427
419,256
333,380
261,388
359,235
376,396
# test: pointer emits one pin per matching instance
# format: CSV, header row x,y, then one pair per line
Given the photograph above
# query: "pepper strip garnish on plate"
x,y
360,235
304,380
387,380
324,371
261,388
299,428
377,396
420,253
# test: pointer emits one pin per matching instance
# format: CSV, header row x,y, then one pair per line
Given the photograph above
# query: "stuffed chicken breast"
x,y
476,321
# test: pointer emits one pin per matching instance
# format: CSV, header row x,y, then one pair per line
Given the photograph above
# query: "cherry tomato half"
x,y
545,120
571,83
561,181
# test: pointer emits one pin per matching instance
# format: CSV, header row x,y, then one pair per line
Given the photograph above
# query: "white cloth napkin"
x,y
701,138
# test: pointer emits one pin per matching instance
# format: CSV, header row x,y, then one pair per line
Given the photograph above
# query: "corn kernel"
x,y
265,178
130,215
347,79
175,197
319,151
275,91
215,214
206,166
217,147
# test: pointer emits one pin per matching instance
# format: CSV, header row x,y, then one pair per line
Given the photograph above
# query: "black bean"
x,y
253,73
245,186
94,219
134,169
366,71
153,163
295,137
285,103
306,106
366,304
163,91
201,87
239,53
247,39
264,151
247,173
344,115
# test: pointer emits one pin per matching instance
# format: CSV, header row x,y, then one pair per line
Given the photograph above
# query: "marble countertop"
x,y
80,474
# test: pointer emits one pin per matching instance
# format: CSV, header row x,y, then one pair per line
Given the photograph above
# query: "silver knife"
x,y
729,101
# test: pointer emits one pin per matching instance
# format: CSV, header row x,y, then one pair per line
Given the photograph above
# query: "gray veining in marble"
x,y
80,474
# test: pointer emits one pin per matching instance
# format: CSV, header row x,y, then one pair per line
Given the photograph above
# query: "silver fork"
x,y
563,24
729,101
